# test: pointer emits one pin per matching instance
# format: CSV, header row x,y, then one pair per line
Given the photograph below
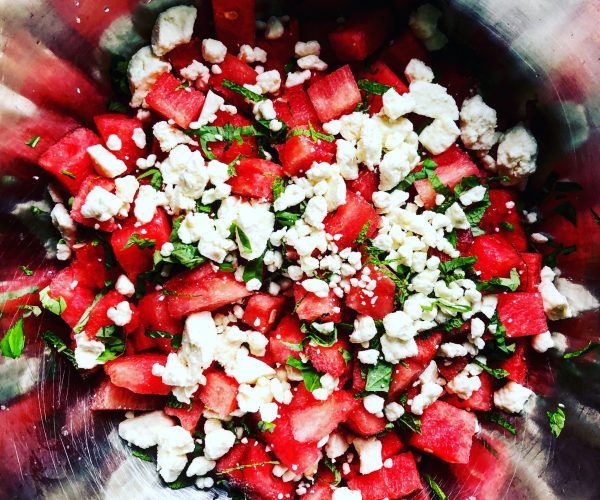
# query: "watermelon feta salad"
x,y
300,264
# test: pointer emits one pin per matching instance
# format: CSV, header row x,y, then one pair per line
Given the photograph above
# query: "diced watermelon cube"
x,y
286,332
365,185
123,127
376,302
229,152
77,298
295,109
313,422
70,155
108,396
135,373
219,393
87,185
403,376
154,316
235,22
309,307
532,277
89,266
407,46
364,423
452,166
381,73
167,97
398,481
361,35
498,215
522,313
452,367
188,417
230,462
446,432
329,359
391,445
495,256
262,311
480,400
135,259
299,152
184,55
234,70
255,178
350,219
359,381
334,95
202,289
516,365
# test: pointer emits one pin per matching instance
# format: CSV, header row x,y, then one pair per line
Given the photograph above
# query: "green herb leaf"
x,y
459,262
294,347
26,270
231,170
173,402
379,377
595,216
411,422
311,377
435,488
551,259
182,86
243,91
500,349
360,239
112,338
557,421
78,328
56,306
575,354
33,142
347,357
428,166
286,219
494,372
135,239
68,174
337,476
35,310
227,133
496,284
316,337
253,269
266,426
453,324
371,87
312,133
158,334
507,226
242,236
142,455
498,419
53,340
245,466
17,294
13,342
155,175
278,187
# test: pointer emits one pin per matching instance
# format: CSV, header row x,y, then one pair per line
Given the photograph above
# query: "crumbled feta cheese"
x,y
393,411
345,493
196,71
336,445
311,48
368,357
120,314
143,431
395,350
433,100
373,404
250,54
396,105
146,202
63,222
418,70
292,195
87,351
396,165
478,124
101,205
517,154
106,163
457,217
253,285
213,51
399,325
364,329
464,385
200,466
312,62
269,81
248,369
556,305
124,286
512,397
473,195
542,342
452,350
274,29
126,188
369,451
212,105
439,135
143,70
168,137
430,392
319,287
114,142
256,221
173,27
297,78
217,443
579,298
174,443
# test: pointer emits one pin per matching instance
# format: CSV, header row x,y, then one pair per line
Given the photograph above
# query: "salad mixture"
x,y
301,265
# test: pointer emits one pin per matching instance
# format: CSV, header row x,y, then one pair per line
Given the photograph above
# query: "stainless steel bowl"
x,y
538,59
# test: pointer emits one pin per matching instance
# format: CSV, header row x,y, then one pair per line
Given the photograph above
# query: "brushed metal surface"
x,y
539,59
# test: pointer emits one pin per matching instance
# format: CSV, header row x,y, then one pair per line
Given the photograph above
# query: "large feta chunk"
x,y
433,100
517,154
173,27
174,443
478,124
106,163
143,431
512,397
439,135
213,51
168,136
101,205
369,451
87,351
143,70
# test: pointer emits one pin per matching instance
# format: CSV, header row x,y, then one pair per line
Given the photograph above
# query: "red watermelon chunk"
x,y
516,365
377,302
255,178
234,70
358,382
235,22
498,214
184,55
262,311
77,298
404,48
391,445
154,315
361,35
532,277
309,307
299,152
398,481
365,185
286,332
364,423
97,318
203,289
219,393
70,155
229,152
108,396
450,368
446,432
89,266
495,256
133,259
167,97
381,73
349,220
452,166
135,373
480,400
295,109
329,359
188,417
522,313
124,128
87,185
335,94
230,462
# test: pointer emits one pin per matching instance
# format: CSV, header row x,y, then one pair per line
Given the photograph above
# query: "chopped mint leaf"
x,y
227,133
135,239
507,226
312,133
26,270
575,354
142,455
183,85
56,306
494,372
68,174
360,239
557,421
112,338
35,310
411,422
245,466
278,187
435,488
371,87
337,476
379,377
286,219
345,355
495,284
17,294
78,328
53,340
457,263
253,269
595,216
498,419
33,142
266,426
13,342
311,377
155,177
231,170
243,91
242,236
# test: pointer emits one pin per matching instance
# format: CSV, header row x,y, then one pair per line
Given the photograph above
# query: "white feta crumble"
x,y
368,357
212,105
174,443
251,55
542,342
63,222
196,71
124,286
478,124
393,411
319,287
369,451
418,70
101,205
200,466
312,62
173,27
143,70
121,314
473,195
439,135
374,404
336,445
114,143
430,392
396,105
452,350
87,351
217,443
432,100
297,78
146,203
364,329
579,297
269,81
556,305
106,163
457,216
274,29
512,397
517,154
345,493
310,48
143,431
213,51
168,136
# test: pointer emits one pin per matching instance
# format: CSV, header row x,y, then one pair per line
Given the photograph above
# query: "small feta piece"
x,y
433,100
143,431
452,350
274,29
373,403
396,165
168,137
269,81
257,222
120,314
142,72
146,202
297,78
465,384
101,205
473,195
430,392
369,451
399,325
213,51
124,286
418,70
106,163
310,48
457,217
248,370
368,357
393,411
319,287
517,154
292,195
196,71
364,329
200,466
395,350
173,27
439,135
512,397
336,445
312,62
61,219
126,188
212,105
250,54
114,142
217,443
579,297
556,305
174,443
87,351
345,493
396,105
478,124
542,342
